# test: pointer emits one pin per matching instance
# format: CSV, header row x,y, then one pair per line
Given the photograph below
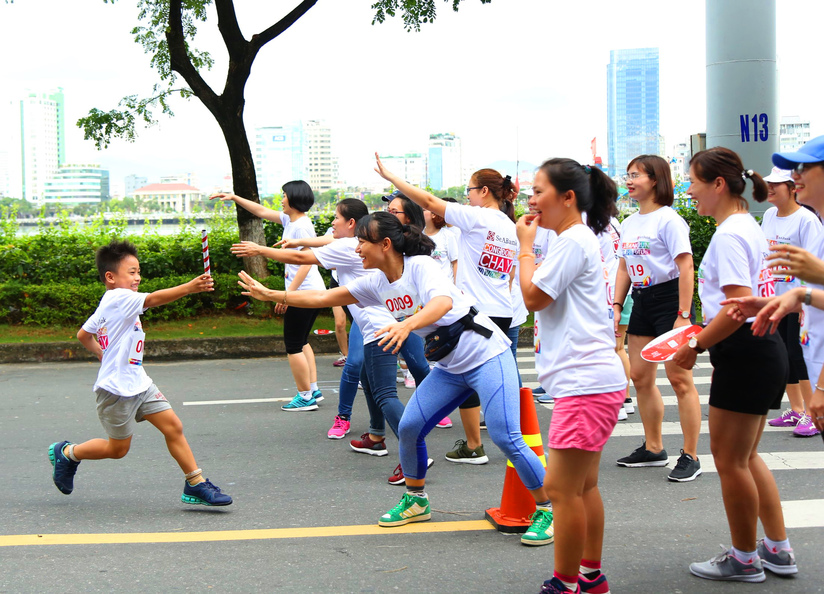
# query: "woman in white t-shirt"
x,y
577,363
485,261
656,261
788,223
749,372
422,300
446,248
298,199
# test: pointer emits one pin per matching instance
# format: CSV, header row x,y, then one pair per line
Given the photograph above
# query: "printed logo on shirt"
x,y
402,302
438,255
497,256
160,396
103,338
804,339
536,338
778,275
765,284
636,248
700,275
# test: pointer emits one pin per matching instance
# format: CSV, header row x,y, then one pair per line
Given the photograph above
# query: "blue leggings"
x,y
442,392
512,334
351,371
378,379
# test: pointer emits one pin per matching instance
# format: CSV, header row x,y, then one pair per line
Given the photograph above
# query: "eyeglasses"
x,y
467,191
394,212
803,167
633,176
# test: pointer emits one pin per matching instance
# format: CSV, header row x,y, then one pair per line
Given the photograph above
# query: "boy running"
x,y
125,394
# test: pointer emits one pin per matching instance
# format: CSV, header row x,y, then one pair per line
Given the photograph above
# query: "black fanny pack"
x,y
441,343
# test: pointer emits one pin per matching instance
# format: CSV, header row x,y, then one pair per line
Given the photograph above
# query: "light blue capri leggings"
x,y
496,383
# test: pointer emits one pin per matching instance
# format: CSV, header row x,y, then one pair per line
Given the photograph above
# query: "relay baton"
x,y
205,249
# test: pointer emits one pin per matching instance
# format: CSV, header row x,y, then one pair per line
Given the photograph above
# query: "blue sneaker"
x,y
298,404
554,586
317,395
538,392
204,493
545,399
63,468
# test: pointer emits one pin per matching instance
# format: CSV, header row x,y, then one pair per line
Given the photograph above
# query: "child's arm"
x,y
259,210
89,341
309,242
201,284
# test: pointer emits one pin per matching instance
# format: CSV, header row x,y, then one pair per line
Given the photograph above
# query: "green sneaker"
x,y
464,455
540,532
409,509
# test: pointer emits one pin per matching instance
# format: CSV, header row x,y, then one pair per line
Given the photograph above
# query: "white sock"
x,y
306,395
777,545
313,387
743,556
572,586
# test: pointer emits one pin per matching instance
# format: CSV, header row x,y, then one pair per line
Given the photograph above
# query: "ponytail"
x,y
407,240
502,188
595,193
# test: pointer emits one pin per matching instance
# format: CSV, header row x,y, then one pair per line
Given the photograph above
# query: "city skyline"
x,y
382,89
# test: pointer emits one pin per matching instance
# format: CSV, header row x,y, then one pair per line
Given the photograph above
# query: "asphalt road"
x,y
305,510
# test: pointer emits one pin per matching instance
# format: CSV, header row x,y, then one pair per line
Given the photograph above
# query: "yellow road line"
x,y
20,540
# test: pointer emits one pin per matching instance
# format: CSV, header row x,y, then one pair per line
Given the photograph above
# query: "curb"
x,y
181,349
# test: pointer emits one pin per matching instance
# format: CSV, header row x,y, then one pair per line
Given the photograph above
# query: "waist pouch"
x,y
441,343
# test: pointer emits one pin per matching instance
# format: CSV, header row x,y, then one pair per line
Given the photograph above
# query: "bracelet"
x,y
820,388
526,255
285,294
808,293
621,306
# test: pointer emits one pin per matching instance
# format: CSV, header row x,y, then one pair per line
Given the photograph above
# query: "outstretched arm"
x,y
305,299
421,197
246,249
309,242
259,210
200,284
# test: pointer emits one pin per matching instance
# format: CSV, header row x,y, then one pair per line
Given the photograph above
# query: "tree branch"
x,y
264,37
230,30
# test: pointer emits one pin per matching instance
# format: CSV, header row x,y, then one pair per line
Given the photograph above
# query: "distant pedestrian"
x,y
126,395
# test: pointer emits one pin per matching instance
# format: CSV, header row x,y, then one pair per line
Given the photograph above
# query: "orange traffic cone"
x,y
517,505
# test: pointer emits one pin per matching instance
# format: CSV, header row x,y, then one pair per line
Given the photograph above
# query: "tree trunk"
x,y
244,184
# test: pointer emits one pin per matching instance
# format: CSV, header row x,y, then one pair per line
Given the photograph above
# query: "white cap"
x,y
779,175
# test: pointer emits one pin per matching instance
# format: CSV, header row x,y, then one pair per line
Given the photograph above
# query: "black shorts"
x,y
473,400
655,309
749,372
297,326
789,332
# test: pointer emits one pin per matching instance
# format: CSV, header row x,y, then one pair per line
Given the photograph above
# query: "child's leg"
x,y
101,449
170,425
567,473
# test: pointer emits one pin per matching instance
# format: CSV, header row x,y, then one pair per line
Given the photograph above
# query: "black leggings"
x,y
297,326
473,400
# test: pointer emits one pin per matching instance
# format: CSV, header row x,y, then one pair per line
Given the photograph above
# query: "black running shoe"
x,y
642,457
687,469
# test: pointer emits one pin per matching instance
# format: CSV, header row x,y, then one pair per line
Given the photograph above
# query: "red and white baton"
x,y
205,250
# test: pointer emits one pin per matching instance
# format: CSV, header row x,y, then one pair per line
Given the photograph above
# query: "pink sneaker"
x,y
409,381
445,423
340,361
339,428
789,418
805,427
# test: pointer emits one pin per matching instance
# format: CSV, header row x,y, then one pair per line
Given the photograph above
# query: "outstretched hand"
x,y
288,244
768,318
246,249
223,196
745,307
796,261
383,171
202,284
252,288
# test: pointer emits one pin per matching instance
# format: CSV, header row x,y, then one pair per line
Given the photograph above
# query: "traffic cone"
x,y
517,505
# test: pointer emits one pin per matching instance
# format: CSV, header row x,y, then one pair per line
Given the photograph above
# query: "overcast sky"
x,y
513,78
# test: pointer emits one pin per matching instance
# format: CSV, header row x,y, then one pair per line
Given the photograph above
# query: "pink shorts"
x,y
584,422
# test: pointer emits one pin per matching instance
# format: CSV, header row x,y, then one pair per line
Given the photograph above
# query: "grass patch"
x,y
204,327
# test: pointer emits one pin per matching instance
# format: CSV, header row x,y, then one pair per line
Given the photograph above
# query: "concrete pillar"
x,y
742,101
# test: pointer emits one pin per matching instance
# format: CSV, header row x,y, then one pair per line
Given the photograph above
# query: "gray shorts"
x,y
118,414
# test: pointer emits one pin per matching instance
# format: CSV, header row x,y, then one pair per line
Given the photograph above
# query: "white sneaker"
x,y
409,381
622,414
628,406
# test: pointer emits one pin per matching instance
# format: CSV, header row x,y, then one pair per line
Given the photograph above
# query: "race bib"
x,y
765,285
402,302
639,275
136,350
638,272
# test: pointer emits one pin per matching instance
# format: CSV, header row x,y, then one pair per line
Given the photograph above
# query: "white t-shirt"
x,y
445,251
541,244
737,256
578,354
421,282
340,254
116,322
650,244
520,312
802,229
486,252
333,272
609,243
301,229
812,320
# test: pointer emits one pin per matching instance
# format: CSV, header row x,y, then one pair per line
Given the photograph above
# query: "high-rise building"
x,y
412,167
444,168
793,133
320,166
77,184
43,144
632,106
132,183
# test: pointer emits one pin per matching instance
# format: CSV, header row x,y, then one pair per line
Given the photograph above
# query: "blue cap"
x,y
810,152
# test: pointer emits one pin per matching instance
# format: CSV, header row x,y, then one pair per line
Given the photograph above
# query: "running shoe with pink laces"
x,y
805,427
789,418
445,423
340,361
339,428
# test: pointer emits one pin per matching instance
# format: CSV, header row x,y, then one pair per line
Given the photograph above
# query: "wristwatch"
x,y
694,344
684,314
